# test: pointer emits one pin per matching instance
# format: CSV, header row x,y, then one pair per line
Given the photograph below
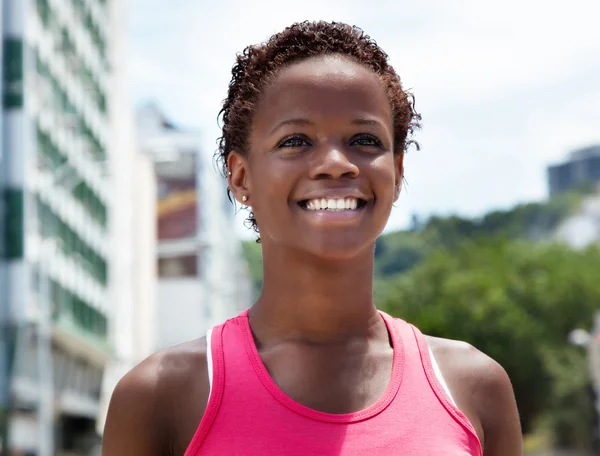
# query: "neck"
x,y
315,300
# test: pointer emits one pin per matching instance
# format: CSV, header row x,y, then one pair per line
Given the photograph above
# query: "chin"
x,y
339,250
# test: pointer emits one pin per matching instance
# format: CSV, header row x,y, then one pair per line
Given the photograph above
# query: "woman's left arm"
x,y
497,410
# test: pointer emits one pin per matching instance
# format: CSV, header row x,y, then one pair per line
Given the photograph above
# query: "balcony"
x,y
80,341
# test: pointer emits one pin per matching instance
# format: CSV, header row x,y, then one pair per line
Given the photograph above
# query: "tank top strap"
x,y
437,383
216,371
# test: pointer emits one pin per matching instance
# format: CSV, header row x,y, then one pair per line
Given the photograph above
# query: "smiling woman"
x,y
315,127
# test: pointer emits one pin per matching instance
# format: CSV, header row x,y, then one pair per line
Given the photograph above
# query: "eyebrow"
x,y
292,122
366,122
301,121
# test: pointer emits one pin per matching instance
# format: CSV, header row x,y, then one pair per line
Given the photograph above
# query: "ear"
x,y
399,174
239,179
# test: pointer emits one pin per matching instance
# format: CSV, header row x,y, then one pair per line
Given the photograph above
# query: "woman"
x,y
315,127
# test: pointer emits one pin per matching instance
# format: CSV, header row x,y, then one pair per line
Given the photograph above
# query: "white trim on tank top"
x,y
440,377
209,361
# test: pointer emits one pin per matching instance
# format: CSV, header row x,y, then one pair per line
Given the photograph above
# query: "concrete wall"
x,y
181,313
144,260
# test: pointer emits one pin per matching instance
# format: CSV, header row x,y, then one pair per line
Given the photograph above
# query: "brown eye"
x,y
293,141
367,141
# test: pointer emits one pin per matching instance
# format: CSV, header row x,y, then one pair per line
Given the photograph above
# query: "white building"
x,y
60,224
133,232
582,228
202,274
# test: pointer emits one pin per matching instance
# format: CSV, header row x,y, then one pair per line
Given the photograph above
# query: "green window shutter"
x,y
13,73
13,224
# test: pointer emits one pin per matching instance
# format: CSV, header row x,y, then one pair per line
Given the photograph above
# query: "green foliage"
x,y
253,254
398,252
517,302
569,415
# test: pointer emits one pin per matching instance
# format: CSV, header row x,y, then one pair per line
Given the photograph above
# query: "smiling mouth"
x,y
333,204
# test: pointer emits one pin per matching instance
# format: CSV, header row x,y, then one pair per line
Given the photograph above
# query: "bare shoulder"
x,y
157,406
483,391
462,360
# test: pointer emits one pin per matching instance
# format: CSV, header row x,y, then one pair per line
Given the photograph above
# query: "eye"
x,y
293,142
366,140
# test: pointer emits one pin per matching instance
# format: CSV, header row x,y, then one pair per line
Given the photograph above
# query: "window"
x,y
13,229
182,266
71,243
82,314
43,10
13,73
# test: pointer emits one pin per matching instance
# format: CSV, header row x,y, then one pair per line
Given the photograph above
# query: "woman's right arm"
x,y
155,409
133,425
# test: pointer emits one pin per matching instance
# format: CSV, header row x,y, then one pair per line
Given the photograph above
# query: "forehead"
x,y
328,86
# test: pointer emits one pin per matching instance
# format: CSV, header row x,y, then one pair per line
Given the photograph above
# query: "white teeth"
x,y
331,204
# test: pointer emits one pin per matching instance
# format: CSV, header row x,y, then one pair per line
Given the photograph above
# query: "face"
x,y
320,174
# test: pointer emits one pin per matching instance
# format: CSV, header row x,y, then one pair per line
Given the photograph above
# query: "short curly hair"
x,y
259,64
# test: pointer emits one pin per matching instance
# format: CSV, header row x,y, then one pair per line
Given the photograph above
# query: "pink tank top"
x,y
248,415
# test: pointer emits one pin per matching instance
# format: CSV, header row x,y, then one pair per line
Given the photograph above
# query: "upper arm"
x,y
483,392
498,412
131,423
156,408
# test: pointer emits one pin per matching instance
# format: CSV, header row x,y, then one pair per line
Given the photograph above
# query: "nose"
x,y
332,162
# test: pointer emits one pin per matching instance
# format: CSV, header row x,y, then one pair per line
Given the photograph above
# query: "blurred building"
x,y
203,278
133,236
581,167
62,248
583,227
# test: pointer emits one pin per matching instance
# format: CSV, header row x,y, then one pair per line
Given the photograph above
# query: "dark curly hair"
x,y
257,65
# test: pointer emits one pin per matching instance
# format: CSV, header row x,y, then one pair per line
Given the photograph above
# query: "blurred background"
x,y
117,238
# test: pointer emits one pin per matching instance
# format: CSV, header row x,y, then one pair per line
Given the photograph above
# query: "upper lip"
x,y
334,194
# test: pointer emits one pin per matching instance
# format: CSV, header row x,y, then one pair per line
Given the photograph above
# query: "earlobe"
x,y
238,177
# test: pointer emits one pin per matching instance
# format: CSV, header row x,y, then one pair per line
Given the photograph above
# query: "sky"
x,y
504,88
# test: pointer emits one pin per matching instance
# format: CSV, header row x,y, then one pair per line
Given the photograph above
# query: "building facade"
x,y
202,275
55,221
581,167
132,277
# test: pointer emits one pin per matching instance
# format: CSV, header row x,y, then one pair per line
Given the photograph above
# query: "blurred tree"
x,y
517,302
398,252
253,254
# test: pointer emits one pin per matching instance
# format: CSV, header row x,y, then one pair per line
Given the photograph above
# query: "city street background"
x,y
117,238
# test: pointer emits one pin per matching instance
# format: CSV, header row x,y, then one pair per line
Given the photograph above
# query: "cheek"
x,y
270,189
384,175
